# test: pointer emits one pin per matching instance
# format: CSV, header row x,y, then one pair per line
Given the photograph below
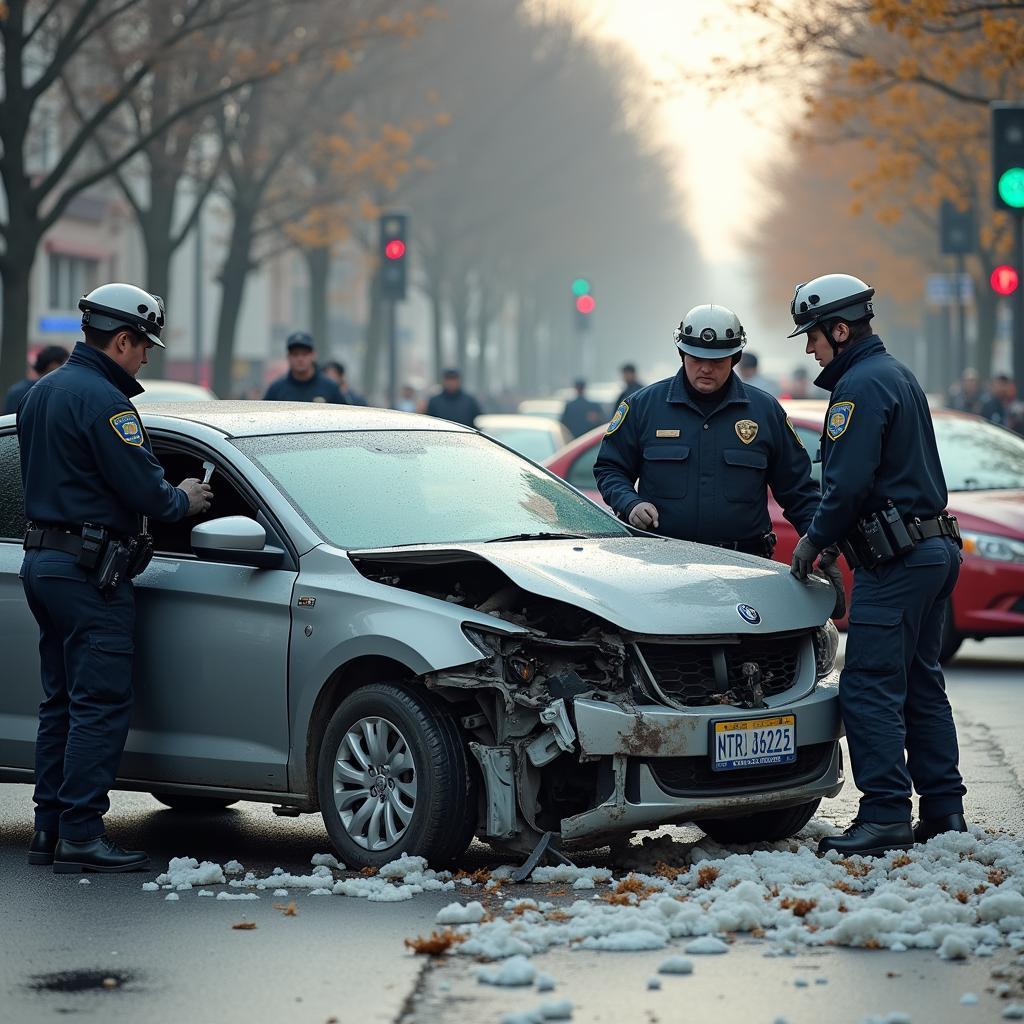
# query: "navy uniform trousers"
x,y
85,648
891,692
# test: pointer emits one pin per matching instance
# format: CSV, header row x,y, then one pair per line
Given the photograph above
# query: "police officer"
x,y
303,382
89,474
704,447
581,414
883,499
46,362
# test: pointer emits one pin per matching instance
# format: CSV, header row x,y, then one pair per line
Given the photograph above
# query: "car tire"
x,y
951,639
194,804
763,827
394,777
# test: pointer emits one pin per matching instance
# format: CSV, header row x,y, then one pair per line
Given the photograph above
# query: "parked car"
x,y
550,408
402,624
158,390
536,437
984,469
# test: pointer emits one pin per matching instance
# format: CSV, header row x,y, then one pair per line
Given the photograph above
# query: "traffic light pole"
x,y
1018,303
392,320
961,360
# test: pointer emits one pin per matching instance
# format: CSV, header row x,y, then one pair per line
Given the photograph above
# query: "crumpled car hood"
x,y
648,585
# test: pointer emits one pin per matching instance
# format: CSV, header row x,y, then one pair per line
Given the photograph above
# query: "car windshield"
x,y
369,489
978,456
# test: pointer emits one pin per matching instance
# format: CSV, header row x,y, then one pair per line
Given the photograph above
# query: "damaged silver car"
x,y
405,626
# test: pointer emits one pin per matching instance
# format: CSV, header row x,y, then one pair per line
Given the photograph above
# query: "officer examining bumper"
x,y
89,474
704,447
883,501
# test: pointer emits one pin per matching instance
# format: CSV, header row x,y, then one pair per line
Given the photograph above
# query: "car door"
x,y
20,691
211,662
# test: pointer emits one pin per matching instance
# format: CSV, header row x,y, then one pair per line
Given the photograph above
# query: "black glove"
x,y
804,555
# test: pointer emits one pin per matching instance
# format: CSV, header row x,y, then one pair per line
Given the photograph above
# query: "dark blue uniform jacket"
x,y
877,443
16,393
707,475
85,457
317,389
459,407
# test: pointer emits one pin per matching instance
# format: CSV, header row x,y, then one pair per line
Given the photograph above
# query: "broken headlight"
x,y
488,644
826,647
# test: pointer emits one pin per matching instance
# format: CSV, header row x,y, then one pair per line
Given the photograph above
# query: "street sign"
x,y
940,289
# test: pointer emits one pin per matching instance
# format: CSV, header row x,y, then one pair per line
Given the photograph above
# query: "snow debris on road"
x,y
237,896
968,999
513,972
84,881
897,1017
562,1010
545,983
233,868
457,913
706,946
185,872
1014,1012
654,984
676,965
320,860
280,892
172,896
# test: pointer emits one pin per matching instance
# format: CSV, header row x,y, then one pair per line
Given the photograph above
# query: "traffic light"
x,y
393,254
1008,156
583,303
1004,280
957,234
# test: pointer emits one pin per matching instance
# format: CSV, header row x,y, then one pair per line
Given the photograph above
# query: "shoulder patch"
x,y
620,415
127,427
789,423
838,420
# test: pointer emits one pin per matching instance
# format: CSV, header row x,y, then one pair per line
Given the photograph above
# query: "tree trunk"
x,y
15,276
233,278
436,295
318,264
157,241
483,334
460,319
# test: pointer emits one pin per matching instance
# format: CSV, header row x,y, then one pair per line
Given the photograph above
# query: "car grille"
x,y
688,673
682,776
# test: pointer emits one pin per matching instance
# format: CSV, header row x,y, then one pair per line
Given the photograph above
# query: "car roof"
x,y
253,419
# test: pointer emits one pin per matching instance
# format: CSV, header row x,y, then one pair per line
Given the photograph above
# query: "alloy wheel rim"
x,y
374,783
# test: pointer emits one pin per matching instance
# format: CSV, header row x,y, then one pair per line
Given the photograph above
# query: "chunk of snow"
x,y
188,871
955,947
280,892
233,868
514,971
172,896
84,881
1014,1012
545,983
405,865
457,913
676,965
150,887
327,860
237,896
631,941
562,1010
969,999
706,945
654,983
320,892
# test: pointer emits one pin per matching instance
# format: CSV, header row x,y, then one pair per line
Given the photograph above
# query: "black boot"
x,y
40,850
929,828
869,839
100,854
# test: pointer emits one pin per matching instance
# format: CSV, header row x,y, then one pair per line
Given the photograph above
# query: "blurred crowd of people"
x,y
997,402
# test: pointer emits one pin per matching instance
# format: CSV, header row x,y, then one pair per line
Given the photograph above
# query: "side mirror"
x,y
235,539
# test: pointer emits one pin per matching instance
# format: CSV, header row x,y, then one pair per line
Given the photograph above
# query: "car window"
x,y
534,444
371,489
581,472
978,456
12,499
811,440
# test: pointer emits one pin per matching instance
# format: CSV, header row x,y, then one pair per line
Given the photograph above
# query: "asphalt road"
x,y
344,958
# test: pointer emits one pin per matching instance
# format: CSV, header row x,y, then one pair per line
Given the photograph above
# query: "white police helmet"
x,y
112,306
832,297
710,332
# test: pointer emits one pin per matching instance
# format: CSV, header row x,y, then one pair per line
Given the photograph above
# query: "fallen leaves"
x,y
800,907
668,871
244,926
436,943
707,875
288,909
997,876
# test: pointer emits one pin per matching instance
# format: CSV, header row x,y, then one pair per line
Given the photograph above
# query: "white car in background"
x,y
158,390
536,437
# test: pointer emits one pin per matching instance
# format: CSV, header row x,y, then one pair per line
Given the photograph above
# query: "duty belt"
x,y
55,538
884,536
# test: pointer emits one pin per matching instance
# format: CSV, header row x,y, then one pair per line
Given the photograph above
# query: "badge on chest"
x,y
746,430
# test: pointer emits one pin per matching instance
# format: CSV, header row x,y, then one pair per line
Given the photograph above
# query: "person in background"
x,y
799,384
452,403
47,360
996,405
747,370
966,394
407,401
303,382
581,414
630,383
336,371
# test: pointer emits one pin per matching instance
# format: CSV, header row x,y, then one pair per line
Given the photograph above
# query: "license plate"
x,y
753,742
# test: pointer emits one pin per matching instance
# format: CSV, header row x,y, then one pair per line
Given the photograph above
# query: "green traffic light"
x,y
581,286
1011,187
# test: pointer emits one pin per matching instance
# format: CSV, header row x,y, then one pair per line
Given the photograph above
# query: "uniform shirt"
x,y
85,457
581,415
16,393
877,445
458,407
317,389
707,473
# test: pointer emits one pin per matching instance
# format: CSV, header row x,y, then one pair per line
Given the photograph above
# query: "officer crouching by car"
x,y
704,447
883,500
89,474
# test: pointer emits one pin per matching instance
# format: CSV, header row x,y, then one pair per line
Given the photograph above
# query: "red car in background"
x,y
984,469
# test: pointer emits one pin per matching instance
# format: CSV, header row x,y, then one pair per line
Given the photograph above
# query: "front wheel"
x,y
763,827
393,777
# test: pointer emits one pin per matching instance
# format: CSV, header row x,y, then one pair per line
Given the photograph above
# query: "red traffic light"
x,y
395,249
1004,280
585,304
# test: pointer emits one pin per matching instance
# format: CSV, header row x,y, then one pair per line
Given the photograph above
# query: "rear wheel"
x,y
394,777
951,639
763,827
194,804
